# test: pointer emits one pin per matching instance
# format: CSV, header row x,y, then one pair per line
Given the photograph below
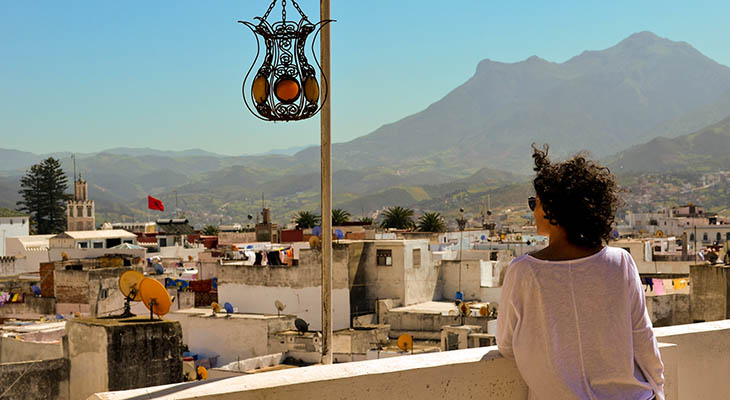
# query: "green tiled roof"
x,y
6,212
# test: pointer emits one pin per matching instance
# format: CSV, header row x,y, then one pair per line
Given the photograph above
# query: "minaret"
x,y
80,212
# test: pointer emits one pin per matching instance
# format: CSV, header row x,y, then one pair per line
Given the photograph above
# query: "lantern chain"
x,y
271,7
283,10
304,16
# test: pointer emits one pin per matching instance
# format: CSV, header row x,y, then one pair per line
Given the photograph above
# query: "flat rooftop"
x,y
208,313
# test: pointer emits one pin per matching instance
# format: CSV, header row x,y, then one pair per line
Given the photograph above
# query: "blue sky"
x,y
88,75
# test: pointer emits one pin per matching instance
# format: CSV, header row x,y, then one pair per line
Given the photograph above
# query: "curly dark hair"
x,y
578,195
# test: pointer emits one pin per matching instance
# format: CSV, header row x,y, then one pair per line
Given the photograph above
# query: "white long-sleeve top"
x,y
579,329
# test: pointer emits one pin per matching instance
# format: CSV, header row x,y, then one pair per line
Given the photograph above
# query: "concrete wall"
x,y
15,350
31,307
470,279
709,292
232,338
35,380
305,303
420,281
669,309
479,373
254,289
386,282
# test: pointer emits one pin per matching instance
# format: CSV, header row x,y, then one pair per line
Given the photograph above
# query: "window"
x,y
384,257
83,245
11,222
80,211
727,236
98,244
70,211
704,237
416,257
130,241
718,237
692,237
163,242
88,211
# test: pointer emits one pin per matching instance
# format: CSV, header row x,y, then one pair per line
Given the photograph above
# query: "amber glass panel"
x,y
287,90
311,89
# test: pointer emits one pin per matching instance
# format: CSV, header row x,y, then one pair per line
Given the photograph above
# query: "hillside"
x,y
702,151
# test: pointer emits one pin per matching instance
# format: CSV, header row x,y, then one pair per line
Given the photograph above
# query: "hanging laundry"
x,y
259,258
265,259
679,284
649,282
273,258
250,257
658,286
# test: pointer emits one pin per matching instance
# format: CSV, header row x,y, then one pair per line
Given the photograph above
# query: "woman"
x,y
572,315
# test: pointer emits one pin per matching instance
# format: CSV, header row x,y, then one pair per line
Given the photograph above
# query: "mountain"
x,y
705,150
602,101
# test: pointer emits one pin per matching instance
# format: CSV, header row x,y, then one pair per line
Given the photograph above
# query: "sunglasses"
x,y
532,202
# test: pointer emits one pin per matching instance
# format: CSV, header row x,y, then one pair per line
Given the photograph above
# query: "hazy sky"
x,y
88,75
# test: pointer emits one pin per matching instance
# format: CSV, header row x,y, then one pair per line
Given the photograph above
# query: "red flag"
x,y
155,204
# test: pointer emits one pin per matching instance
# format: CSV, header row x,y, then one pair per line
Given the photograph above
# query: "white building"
x,y
12,224
29,252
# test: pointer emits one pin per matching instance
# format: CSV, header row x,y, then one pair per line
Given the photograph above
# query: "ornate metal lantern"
x,y
285,86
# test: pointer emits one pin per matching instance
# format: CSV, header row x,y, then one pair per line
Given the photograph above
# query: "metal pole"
x,y
326,147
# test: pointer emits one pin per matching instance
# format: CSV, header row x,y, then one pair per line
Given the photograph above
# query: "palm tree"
x,y
340,216
431,222
210,230
398,217
366,220
306,219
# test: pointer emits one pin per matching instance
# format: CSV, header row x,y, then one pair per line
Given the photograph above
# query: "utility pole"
x,y
326,200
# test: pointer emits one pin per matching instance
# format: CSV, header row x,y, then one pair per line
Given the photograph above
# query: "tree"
x,y
210,230
431,222
398,217
366,220
340,216
44,196
306,219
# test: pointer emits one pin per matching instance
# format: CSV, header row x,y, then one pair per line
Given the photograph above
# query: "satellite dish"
x,y
302,325
339,234
77,314
228,307
279,307
484,310
314,242
36,290
155,297
317,231
129,285
202,372
464,309
215,307
659,233
405,342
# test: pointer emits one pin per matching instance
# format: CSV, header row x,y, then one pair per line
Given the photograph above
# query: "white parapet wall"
x,y
703,350
479,373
